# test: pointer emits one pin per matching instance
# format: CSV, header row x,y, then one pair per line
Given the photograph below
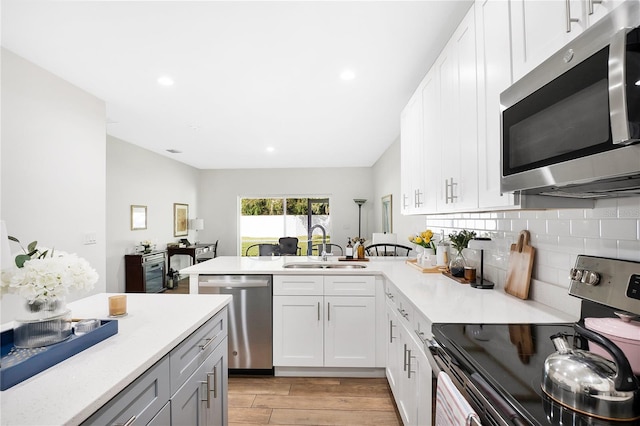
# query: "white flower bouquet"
x,y
46,275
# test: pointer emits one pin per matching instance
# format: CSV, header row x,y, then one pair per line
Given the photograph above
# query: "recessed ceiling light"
x,y
638,83
347,75
270,149
165,80
174,151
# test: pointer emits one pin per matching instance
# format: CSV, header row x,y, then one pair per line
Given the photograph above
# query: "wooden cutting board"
x,y
520,265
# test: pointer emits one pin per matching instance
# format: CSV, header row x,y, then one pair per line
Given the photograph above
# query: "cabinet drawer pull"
x,y
391,326
420,335
206,345
318,311
128,422
328,311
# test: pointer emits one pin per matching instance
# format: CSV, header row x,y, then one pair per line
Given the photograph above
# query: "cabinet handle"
x,y
591,2
328,311
391,326
420,335
405,357
215,382
404,201
409,364
206,345
568,15
449,188
127,423
318,311
416,198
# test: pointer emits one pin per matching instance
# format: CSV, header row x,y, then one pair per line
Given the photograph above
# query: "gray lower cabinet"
x,y
202,398
139,402
186,387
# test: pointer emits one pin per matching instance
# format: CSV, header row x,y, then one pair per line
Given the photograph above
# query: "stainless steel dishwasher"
x,y
250,319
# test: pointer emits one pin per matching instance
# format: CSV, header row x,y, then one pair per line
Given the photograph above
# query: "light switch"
x,y
90,238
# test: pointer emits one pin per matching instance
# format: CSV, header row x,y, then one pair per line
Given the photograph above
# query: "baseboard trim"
x,y
328,372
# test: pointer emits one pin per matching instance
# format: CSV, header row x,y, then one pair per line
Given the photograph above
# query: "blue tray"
x,y
17,365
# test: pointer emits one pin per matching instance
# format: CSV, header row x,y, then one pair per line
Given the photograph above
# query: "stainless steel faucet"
x,y
324,241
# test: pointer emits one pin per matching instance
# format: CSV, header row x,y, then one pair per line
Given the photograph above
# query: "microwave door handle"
x,y
617,96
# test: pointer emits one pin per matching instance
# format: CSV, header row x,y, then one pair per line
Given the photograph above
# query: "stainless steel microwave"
x,y
571,126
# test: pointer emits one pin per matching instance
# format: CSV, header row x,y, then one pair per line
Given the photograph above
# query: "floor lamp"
x,y
359,202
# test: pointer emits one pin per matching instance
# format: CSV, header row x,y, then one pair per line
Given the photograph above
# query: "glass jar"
x,y
457,264
42,323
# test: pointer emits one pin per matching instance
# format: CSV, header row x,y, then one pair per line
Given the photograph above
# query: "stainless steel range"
x,y
498,368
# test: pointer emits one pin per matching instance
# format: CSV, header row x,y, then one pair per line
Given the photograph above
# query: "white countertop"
x,y
69,392
437,297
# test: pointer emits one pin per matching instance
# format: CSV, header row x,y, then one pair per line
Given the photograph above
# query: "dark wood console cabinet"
x,y
145,272
197,252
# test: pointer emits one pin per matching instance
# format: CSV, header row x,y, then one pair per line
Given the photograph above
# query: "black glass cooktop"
x,y
510,358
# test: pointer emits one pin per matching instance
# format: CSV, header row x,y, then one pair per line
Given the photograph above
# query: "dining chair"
x,y
387,249
264,249
289,246
334,249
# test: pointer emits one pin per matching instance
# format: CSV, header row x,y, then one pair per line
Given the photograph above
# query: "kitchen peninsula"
x,y
156,325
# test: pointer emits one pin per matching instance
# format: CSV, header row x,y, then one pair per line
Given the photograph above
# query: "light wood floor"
x,y
310,401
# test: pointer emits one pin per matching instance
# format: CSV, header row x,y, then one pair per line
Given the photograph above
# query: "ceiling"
x,y
255,84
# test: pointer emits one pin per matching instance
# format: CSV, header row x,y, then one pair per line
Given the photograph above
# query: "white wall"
x,y
386,180
220,190
141,177
53,165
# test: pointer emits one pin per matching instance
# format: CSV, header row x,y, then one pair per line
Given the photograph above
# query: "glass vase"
x,y
42,323
457,264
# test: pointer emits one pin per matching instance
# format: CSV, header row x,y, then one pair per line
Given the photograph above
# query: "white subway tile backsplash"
x,y
620,229
611,229
629,208
560,227
604,209
629,250
585,228
571,214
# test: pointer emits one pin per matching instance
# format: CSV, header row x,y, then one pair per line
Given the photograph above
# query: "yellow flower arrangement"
x,y
424,239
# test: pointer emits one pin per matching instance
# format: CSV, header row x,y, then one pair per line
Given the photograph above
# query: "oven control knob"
x,y
590,278
575,274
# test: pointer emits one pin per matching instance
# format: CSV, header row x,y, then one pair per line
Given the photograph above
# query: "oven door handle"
x,y
496,400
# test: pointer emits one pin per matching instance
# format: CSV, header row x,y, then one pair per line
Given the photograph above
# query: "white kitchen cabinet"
x,y
412,179
408,369
540,28
333,328
432,150
298,331
494,76
456,69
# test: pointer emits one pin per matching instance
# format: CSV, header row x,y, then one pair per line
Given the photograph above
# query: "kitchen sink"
x,y
323,266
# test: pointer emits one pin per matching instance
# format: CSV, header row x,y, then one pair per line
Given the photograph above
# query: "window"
x,y
266,220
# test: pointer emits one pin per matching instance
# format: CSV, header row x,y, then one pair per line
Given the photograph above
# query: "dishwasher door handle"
x,y
227,284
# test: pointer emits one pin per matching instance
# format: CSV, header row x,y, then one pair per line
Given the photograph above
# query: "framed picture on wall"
x,y
138,217
180,219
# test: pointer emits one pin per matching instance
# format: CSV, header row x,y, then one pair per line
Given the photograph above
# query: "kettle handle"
x,y
624,379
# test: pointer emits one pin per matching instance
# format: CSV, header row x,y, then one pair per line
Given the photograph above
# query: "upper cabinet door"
x,y
432,146
456,68
494,76
540,28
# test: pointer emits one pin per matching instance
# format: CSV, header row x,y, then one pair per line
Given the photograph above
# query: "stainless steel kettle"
x,y
589,383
